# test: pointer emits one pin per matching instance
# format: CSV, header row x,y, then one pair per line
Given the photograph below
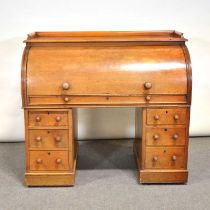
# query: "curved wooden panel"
x,y
106,70
24,75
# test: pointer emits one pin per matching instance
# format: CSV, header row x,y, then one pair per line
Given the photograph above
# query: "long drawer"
x,y
106,99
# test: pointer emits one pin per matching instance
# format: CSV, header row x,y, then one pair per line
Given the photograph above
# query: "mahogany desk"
x,y
62,71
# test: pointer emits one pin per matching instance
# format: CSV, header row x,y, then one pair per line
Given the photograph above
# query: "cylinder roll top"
x,y
76,64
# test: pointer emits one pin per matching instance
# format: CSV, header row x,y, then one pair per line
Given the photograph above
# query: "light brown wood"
x,y
163,158
48,139
144,64
165,136
47,118
105,36
166,116
48,160
106,99
62,71
163,176
57,179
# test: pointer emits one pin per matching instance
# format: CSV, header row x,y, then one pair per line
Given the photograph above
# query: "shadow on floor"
x,y
106,154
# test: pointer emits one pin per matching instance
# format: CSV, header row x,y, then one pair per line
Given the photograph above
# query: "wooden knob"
x,y
155,158
39,160
65,85
58,119
156,117
174,158
176,117
175,136
57,138
147,85
58,161
156,137
38,138
66,99
148,98
38,118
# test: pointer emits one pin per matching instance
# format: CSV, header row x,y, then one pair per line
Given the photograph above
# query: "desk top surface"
x,y
106,36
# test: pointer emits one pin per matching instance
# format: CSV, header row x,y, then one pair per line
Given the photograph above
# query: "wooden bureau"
x,y
62,71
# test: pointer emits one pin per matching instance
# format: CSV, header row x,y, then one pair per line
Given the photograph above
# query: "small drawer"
x,y
171,116
51,138
165,136
48,118
49,160
165,158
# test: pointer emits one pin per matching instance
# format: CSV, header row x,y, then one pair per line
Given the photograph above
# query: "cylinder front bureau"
x,y
63,71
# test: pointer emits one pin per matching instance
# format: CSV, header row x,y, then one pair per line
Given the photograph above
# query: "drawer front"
x,y
74,100
165,158
48,138
165,136
49,160
171,116
48,118
106,70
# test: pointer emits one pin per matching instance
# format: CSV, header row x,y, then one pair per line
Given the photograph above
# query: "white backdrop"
x,y
17,18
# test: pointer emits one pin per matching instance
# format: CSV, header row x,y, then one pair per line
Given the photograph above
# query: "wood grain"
x,y
165,136
118,74
164,158
48,118
148,70
48,138
166,116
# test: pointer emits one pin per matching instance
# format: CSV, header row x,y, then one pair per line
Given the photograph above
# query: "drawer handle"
x,y
156,137
38,138
174,158
155,158
147,85
38,118
66,99
147,98
156,117
39,161
176,117
58,139
58,161
175,136
65,86
58,119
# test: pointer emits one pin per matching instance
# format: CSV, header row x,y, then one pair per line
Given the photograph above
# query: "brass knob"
x,y
39,161
156,117
65,85
58,119
38,138
38,118
155,158
57,138
148,98
174,158
66,99
147,85
156,137
175,136
176,117
58,161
